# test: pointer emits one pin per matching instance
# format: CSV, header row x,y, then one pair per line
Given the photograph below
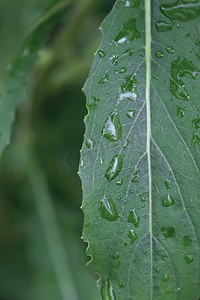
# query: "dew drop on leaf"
x,y
121,284
155,76
131,114
168,200
129,88
101,53
189,259
134,218
121,71
196,123
187,241
107,291
195,140
168,232
104,79
181,112
131,3
159,54
90,143
142,198
116,255
128,32
114,168
162,26
165,277
112,130
167,184
119,182
132,236
108,209
169,290
170,50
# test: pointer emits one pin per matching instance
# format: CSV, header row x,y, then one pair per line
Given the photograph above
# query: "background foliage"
x,y
40,192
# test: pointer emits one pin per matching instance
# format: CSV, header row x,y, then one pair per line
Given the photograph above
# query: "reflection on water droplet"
x,y
159,54
122,70
143,205
167,184
114,168
132,236
168,200
108,209
129,88
165,277
142,198
104,79
134,218
189,259
168,232
119,182
82,163
115,255
170,50
196,123
187,241
100,160
195,140
155,76
131,3
181,112
179,68
101,53
128,32
131,113
112,130
107,291
169,291
90,143
162,26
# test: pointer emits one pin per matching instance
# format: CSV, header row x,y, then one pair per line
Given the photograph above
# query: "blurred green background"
x,y
42,256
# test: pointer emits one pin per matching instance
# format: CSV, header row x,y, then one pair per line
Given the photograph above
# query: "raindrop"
x,y
134,218
187,241
132,236
119,182
168,200
121,284
107,291
162,26
155,76
189,259
112,130
101,161
108,209
181,112
114,168
195,140
129,88
125,143
131,3
196,123
131,113
128,32
165,277
82,163
90,143
146,273
114,60
101,53
170,50
167,184
159,54
143,205
122,70
142,198
168,232
169,291
104,79
115,255
157,270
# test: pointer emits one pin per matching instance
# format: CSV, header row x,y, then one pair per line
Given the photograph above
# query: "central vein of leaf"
x,y
148,113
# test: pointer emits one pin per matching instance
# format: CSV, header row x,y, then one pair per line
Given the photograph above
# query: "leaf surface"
x,y
140,157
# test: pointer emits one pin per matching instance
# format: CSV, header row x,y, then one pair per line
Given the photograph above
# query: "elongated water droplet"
x,y
162,26
108,209
142,198
132,236
104,79
179,68
134,218
167,184
128,32
93,105
159,54
168,232
189,259
168,200
155,76
187,241
121,284
129,88
170,50
116,255
131,113
107,291
196,123
195,140
181,112
114,167
119,182
90,143
165,277
101,53
112,130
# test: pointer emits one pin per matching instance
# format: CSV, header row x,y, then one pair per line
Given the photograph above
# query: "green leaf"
x,y
140,175
14,89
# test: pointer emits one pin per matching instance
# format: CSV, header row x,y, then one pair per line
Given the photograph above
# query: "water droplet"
x,y
195,140
181,112
131,191
114,168
86,224
179,68
90,143
134,218
159,54
144,251
131,3
143,205
165,277
82,163
155,76
108,209
114,59
26,52
142,198
187,241
121,284
119,182
168,232
189,259
112,130
131,113
157,270
126,142
182,10
129,88
128,32
170,50
132,236
169,290
115,255
146,273
164,257
197,43
101,161
168,200
196,123
162,26
101,53
167,184
104,79
119,198
107,291
122,70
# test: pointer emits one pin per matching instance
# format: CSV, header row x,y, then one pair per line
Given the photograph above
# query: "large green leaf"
x,y
140,157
